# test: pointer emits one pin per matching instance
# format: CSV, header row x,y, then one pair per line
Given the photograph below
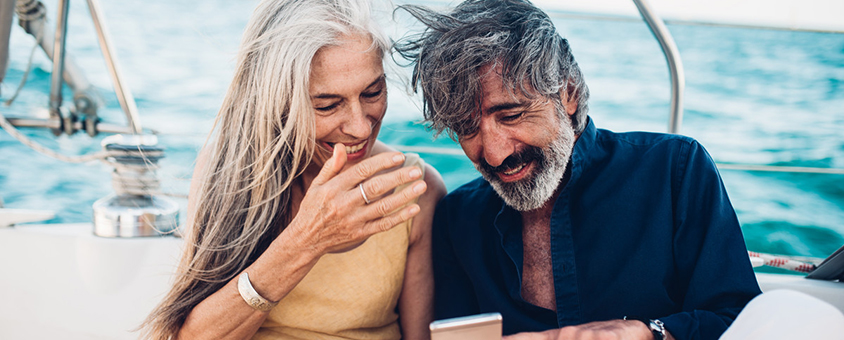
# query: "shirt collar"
x,y
580,154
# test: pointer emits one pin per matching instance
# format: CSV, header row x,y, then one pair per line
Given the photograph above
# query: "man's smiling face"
x,y
522,145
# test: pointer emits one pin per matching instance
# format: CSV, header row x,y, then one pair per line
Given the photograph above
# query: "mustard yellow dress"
x,y
351,295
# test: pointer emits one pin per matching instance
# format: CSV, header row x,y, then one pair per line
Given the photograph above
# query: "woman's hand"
x,y
334,215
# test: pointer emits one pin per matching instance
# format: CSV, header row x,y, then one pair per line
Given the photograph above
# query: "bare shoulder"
x,y
436,186
428,203
380,147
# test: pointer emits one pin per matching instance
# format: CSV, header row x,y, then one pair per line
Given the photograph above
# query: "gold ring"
x,y
362,193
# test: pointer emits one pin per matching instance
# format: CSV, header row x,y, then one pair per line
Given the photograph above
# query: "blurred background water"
x,y
753,96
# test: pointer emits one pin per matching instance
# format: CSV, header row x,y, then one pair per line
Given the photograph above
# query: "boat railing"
x,y
433,150
563,14
675,64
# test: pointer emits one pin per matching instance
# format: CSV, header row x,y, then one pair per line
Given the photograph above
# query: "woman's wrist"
x,y
285,262
300,238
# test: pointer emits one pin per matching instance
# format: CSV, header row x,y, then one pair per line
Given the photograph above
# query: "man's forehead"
x,y
496,94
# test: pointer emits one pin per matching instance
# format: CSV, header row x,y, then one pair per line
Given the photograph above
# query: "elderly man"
x,y
573,230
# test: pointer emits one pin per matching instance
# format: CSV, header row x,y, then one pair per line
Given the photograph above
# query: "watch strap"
x,y
656,326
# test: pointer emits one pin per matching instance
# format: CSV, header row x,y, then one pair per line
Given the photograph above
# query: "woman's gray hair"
x,y
263,140
514,33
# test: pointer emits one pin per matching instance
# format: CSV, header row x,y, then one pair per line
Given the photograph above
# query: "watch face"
x,y
658,329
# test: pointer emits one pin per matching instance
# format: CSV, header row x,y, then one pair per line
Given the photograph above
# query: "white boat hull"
x,y
62,282
59,281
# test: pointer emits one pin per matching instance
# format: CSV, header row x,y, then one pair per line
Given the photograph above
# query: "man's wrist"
x,y
655,326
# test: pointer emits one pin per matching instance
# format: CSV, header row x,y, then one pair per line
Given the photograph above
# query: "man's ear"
x,y
570,103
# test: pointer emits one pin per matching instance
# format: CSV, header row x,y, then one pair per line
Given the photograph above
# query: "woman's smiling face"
x,y
349,95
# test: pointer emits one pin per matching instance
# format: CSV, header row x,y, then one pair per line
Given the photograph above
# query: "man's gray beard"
x,y
532,192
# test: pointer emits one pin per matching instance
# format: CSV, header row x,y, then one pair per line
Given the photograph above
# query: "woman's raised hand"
x,y
334,214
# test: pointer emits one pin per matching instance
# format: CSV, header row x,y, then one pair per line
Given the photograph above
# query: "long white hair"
x,y
263,139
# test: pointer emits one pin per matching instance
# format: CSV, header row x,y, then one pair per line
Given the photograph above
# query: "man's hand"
x,y
609,330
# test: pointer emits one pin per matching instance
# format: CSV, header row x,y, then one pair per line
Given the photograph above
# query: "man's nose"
x,y
496,144
357,124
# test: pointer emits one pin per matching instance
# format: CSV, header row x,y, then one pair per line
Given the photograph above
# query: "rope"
x,y
131,179
30,11
784,263
135,179
129,176
25,73
50,153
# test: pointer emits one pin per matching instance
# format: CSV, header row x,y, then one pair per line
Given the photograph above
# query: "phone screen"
x,y
475,327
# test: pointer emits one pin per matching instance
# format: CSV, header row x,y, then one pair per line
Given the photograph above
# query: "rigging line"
x,y
26,73
6,125
28,12
134,180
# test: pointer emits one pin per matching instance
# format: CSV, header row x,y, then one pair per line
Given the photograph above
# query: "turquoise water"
x,y
752,97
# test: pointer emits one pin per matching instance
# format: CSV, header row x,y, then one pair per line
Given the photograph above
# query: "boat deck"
x,y
103,288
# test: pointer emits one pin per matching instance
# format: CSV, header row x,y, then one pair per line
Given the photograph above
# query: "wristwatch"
x,y
657,328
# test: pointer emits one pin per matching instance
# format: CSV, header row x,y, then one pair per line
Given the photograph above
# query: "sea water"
x,y
763,97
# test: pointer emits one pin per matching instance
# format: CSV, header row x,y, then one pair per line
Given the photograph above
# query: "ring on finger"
x,y
363,193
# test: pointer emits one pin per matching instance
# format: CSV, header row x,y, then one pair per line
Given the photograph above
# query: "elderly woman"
x,y
301,224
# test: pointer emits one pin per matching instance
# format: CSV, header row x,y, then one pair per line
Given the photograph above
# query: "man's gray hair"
x,y
448,54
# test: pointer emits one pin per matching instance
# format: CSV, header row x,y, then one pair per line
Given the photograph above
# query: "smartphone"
x,y
474,327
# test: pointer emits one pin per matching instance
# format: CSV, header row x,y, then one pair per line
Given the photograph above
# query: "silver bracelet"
x,y
252,298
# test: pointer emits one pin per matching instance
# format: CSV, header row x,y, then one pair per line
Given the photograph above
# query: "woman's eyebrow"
x,y
377,81
326,96
333,96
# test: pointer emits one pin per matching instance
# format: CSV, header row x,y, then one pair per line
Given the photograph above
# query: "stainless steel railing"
x,y
675,65
723,166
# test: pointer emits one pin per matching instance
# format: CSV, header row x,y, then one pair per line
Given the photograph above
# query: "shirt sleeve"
x,y
453,292
714,277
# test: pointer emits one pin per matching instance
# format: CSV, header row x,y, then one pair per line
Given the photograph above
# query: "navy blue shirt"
x,y
643,228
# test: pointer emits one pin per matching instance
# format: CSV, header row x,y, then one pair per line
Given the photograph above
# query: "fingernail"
x,y
419,187
398,158
415,173
413,209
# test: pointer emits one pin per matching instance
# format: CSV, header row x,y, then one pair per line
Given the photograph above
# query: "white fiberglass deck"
x,y
59,281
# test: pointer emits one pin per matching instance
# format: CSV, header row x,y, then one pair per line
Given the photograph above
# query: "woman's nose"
x,y
357,124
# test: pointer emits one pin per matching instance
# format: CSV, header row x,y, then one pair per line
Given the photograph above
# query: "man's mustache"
x,y
530,153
